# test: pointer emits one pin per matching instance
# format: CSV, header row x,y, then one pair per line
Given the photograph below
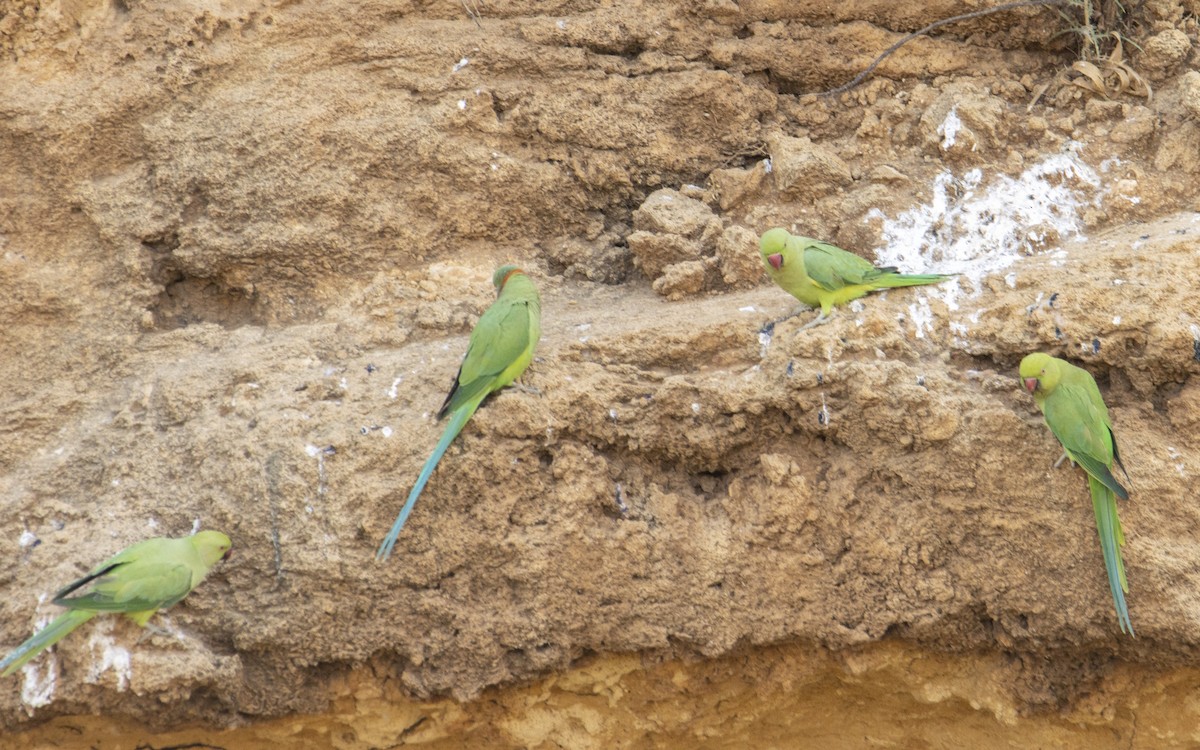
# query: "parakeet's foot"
x,y
769,326
150,630
166,630
1062,458
531,390
821,319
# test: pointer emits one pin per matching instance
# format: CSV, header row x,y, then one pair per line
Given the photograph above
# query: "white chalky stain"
x,y
1175,456
764,343
37,690
111,656
949,129
975,230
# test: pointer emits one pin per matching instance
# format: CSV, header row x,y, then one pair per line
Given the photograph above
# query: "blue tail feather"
x,y
457,420
43,639
1107,524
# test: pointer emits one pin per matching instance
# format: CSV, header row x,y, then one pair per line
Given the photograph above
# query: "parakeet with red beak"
x,y
500,349
1075,412
823,275
137,582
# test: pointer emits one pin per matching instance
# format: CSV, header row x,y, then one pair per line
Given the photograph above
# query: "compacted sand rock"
x,y
242,246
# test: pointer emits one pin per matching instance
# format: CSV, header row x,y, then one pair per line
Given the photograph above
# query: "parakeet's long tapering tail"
x,y
1112,537
458,419
44,639
910,279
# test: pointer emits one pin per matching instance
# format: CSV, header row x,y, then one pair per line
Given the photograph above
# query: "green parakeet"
x,y
823,275
1076,414
137,582
500,349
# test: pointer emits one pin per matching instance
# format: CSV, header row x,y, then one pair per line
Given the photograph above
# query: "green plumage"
x,y
822,275
501,347
1075,412
137,582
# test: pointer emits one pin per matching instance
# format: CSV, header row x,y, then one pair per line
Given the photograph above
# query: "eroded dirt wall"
x,y
242,245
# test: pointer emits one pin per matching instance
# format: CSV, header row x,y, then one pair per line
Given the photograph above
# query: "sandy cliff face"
x,y
241,247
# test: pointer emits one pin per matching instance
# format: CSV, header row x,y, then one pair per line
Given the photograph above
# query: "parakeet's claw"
x,y
821,319
769,326
165,628
531,390
150,630
1062,458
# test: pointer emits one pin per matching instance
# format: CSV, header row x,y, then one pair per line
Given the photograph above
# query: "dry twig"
x,y
937,24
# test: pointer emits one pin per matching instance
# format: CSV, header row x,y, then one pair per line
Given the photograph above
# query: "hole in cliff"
x,y
894,630
187,301
709,484
787,86
621,42
1163,396
502,104
160,244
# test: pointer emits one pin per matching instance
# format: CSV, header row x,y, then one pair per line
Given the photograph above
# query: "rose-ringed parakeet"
x,y
1076,414
137,582
822,275
500,349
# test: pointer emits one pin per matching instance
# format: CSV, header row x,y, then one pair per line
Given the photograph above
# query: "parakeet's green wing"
x,y
130,554
132,587
833,268
1081,380
1117,456
499,338
1084,433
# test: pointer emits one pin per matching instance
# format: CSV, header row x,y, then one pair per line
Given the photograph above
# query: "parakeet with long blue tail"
x,y
822,275
137,582
500,349
1075,412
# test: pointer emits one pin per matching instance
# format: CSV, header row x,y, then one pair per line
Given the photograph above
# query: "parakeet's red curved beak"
x,y
1031,384
775,260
